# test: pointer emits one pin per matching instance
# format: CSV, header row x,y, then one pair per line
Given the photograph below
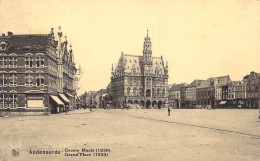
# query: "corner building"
x,y
140,81
27,72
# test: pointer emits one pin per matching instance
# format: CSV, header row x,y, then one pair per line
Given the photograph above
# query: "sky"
x,y
199,38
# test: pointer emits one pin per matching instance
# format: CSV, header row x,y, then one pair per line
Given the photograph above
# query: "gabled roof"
x,y
221,81
169,86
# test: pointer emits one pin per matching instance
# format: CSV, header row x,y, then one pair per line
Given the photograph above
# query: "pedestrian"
x,y
91,107
169,111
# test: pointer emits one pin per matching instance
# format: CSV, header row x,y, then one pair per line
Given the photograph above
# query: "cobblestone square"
x,y
134,134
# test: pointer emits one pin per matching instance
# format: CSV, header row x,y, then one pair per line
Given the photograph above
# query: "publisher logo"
x,y
15,152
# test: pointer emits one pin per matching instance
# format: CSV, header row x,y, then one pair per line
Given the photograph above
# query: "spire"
x,y
147,49
59,33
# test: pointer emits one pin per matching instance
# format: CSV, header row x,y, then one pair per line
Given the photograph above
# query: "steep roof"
x,y
127,63
32,42
169,86
195,83
176,87
222,80
205,83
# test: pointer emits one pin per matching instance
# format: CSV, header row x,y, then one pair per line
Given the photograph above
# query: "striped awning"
x,y
56,99
64,98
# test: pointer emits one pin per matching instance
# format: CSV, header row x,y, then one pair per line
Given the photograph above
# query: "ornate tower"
x,y
147,50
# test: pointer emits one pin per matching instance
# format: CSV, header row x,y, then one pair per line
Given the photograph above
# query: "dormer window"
x,y
3,45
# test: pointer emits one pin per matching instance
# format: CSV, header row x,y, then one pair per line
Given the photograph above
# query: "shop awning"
x,y
64,98
69,95
223,102
56,99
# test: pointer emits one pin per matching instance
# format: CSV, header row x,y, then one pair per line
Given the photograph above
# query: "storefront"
x,y
65,100
57,105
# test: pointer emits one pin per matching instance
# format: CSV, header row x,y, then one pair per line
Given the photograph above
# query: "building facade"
x,y
28,73
66,70
140,81
175,96
206,94
253,90
191,96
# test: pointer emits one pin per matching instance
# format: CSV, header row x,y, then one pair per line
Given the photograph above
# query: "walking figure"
x,y
169,111
91,107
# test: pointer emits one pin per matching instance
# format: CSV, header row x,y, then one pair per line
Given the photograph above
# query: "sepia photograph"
x,y
129,80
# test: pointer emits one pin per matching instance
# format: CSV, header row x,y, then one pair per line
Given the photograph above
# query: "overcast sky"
x,y
199,38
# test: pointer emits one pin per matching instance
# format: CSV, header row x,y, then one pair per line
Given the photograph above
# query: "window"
x,y
133,70
158,92
148,93
135,82
13,62
134,91
163,92
28,62
128,91
130,80
3,101
3,80
39,62
3,62
29,80
13,101
13,80
3,45
148,81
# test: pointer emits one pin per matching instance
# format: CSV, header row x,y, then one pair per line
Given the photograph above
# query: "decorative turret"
x,y
166,68
112,71
59,43
147,50
71,54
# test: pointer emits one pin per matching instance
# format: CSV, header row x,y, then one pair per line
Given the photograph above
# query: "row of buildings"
x,y
217,92
94,98
141,81
37,73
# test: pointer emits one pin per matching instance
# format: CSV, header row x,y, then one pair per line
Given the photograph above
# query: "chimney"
x,y
10,33
51,30
3,34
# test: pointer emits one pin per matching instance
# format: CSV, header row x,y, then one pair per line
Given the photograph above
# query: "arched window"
x,y
158,92
40,80
148,93
163,92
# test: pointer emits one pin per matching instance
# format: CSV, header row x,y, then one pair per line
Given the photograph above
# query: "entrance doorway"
x,y
148,104
159,104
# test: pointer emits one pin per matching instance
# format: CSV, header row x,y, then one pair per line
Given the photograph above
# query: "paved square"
x,y
135,134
